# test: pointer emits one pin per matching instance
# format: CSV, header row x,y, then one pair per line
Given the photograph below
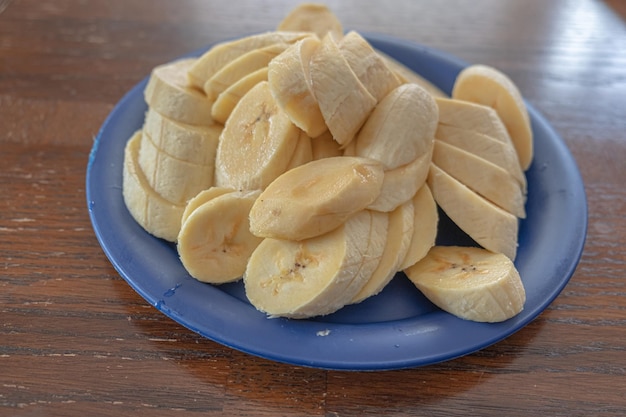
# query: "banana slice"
x,y
398,240
316,276
369,261
407,75
316,198
290,81
401,184
400,134
228,99
490,226
312,17
487,85
223,53
153,213
256,144
324,146
472,116
169,93
240,67
214,242
482,176
368,65
193,144
400,129
343,100
201,198
471,283
424,232
173,179
303,153
500,153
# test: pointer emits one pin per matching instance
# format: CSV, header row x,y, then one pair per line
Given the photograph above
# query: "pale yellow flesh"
x,y
398,238
228,99
368,65
223,53
316,197
256,144
490,226
489,86
194,144
289,80
401,184
471,283
400,129
370,259
424,232
344,101
324,146
312,17
214,242
500,153
175,180
299,279
201,198
169,93
302,154
156,215
482,176
472,116
241,67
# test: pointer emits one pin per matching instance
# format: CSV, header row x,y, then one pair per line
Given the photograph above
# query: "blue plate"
x,y
398,328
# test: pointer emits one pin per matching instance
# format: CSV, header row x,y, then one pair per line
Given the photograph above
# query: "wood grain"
x,y
76,340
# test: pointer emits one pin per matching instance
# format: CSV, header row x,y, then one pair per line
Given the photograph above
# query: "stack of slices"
x,y
312,165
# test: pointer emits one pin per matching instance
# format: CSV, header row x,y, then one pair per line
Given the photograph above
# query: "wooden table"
x,y
76,340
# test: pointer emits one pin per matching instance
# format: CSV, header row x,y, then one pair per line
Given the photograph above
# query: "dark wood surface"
x,y
76,340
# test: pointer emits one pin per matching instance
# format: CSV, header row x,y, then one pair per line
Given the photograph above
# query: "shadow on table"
x,y
256,383
249,383
402,390
253,383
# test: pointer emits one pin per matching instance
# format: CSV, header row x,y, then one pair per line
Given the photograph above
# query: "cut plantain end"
x,y
471,283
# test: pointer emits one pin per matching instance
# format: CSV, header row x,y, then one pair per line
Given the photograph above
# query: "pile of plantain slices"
x,y
312,165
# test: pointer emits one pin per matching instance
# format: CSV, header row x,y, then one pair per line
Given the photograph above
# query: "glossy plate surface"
x,y
398,328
